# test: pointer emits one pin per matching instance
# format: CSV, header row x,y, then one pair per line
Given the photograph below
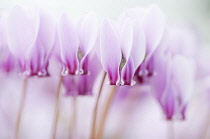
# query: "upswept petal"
x,y
69,45
168,101
154,23
126,37
39,55
127,73
88,32
138,51
22,29
110,50
47,31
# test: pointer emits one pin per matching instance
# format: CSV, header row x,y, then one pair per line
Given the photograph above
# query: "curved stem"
x,y
21,108
105,113
57,109
93,130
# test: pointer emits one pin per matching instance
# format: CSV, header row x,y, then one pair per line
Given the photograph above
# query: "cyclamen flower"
x,y
173,83
7,61
174,68
122,50
76,42
83,84
31,36
154,25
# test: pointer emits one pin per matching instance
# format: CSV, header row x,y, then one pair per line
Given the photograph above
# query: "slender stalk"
x,y
73,128
57,109
105,113
170,129
21,108
95,112
207,129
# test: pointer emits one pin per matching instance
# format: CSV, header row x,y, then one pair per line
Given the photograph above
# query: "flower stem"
x,y
170,129
105,113
95,112
74,119
21,108
57,109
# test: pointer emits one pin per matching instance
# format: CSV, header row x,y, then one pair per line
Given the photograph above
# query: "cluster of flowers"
x,y
138,48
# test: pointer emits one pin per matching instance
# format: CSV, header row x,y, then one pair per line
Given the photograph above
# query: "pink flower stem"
x,y
21,108
95,112
105,112
57,109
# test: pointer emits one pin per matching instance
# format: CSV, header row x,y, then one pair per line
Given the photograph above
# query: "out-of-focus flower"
x,y
83,84
76,42
31,36
174,73
173,84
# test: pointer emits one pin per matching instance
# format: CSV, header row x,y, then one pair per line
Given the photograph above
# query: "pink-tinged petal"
x,y
22,29
69,45
127,73
110,50
154,25
39,55
138,51
126,37
56,52
88,32
161,69
168,102
183,73
47,32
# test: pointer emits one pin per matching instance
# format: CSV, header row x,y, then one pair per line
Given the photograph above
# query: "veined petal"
x,y
69,44
168,102
126,37
88,32
110,50
22,29
127,73
138,51
154,25
47,31
39,55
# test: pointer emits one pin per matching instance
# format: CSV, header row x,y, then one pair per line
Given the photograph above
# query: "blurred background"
x,y
195,12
